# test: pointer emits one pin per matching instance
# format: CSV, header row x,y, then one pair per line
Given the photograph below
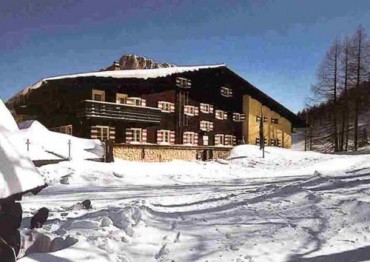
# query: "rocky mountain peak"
x,y
131,61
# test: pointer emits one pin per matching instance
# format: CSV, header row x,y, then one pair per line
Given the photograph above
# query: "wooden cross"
x,y
69,148
28,144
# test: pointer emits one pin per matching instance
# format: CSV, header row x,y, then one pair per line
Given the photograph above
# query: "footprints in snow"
x,y
165,249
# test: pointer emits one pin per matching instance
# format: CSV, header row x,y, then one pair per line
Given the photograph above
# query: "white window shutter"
x,y
184,138
188,82
211,109
94,132
234,140
143,102
226,140
218,114
211,126
172,137
112,133
217,140
195,139
196,111
242,117
172,107
144,135
225,115
128,136
159,136
202,125
160,104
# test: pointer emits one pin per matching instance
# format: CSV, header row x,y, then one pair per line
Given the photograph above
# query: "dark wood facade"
x,y
70,101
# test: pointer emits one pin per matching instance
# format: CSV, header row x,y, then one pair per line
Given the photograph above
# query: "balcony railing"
x,y
120,112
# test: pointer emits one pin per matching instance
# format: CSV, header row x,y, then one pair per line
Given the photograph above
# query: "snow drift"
x,y
17,172
48,145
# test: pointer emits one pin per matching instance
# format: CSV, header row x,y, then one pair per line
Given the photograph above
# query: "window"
x,y
206,126
276,142
206,108
98,95
221,114
258,119
165,137
230,140
121,98
219,139
166,106
227,140
103,132
258,141
274,120
191,110
136,135
237,117
226,92
190,138
63,129
183,82
136,101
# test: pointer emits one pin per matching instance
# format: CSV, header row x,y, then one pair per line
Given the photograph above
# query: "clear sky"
x,y
274,44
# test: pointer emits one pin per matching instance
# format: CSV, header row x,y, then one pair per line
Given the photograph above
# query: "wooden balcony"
x,y
119,112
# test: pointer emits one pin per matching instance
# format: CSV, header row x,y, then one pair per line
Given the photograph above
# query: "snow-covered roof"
x,y
17,172
137,73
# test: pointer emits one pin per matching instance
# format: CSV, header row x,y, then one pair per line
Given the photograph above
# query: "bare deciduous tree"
x,y
358,69
326,88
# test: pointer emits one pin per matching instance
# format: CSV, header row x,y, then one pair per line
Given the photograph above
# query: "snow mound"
x,y
48,145
17,172
33,124
275,153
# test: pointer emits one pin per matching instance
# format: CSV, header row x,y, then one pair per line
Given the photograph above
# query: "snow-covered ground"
x,y
290,206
